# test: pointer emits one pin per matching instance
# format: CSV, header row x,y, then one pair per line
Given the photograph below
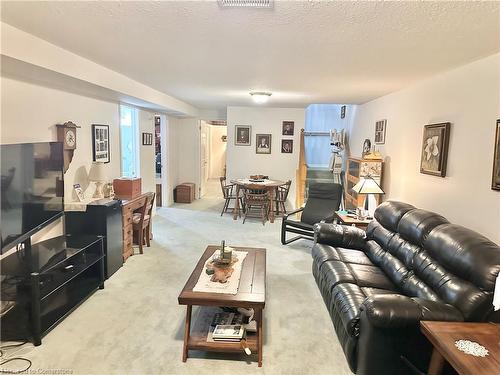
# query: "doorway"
x,y
160,139
213,144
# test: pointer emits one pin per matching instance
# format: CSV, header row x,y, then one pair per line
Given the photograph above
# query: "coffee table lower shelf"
x,y
196,339
201,343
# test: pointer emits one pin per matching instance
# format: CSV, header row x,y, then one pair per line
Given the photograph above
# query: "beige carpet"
x,y
135,326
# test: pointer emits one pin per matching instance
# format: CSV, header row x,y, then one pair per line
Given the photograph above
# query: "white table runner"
x,y
204,283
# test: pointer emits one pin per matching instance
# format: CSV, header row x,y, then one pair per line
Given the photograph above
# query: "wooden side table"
x,y
443,335
342,218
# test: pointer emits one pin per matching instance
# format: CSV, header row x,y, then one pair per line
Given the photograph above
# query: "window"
x,y
129,134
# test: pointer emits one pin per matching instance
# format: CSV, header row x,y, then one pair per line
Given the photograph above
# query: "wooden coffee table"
x,y
251,294
443,335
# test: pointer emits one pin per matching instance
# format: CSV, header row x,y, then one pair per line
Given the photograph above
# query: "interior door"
x,y
204,156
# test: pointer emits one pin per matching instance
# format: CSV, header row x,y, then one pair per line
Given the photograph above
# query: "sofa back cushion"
x,y
427,257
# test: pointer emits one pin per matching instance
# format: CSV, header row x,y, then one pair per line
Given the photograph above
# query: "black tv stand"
x,y
47,281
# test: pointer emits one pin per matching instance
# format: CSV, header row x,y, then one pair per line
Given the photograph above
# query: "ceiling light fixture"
x,y
260,97
246,3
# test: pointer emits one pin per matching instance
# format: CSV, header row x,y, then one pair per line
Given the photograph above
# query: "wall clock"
x,y
66,133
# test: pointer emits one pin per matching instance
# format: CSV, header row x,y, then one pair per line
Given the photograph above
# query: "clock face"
x,y
70,138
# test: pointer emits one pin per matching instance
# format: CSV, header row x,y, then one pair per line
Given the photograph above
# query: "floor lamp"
x,y
368,186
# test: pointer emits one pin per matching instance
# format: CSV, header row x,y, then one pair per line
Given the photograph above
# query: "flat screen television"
x,y
32,189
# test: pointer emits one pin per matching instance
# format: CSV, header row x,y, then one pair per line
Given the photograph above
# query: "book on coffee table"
x,y
228,332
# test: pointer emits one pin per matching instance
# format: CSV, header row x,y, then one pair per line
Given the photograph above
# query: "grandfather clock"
x,y
66,133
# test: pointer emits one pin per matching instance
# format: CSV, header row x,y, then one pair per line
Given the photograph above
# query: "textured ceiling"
x,y
304,52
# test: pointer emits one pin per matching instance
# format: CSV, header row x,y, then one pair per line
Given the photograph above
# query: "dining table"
x,y
256,184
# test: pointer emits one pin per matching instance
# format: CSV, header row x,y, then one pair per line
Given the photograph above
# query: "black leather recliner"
x,y
410,265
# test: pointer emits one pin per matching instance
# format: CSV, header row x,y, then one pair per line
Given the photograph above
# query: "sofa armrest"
x,y
339,235
397,311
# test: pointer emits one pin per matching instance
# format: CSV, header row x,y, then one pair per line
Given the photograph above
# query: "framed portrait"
x,y
287,146
495,179
147,139
380,132
342,111
367,146
263,143
435,149
242,135
288,127
100,143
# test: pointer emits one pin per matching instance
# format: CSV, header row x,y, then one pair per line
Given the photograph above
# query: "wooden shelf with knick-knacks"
x,y
357,168
66,133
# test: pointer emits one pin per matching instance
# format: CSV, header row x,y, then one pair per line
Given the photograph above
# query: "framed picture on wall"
x,y
288,127
147,139
495,179
342,111
100,143
263,144
380,132
287,146
435,149
242,135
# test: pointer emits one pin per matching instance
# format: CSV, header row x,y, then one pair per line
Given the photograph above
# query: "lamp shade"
x,y
367,185
97,172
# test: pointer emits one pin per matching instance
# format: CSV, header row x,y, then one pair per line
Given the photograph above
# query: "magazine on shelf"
x,y
228,332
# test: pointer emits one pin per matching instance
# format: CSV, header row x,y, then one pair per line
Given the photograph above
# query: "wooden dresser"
x,y
128,208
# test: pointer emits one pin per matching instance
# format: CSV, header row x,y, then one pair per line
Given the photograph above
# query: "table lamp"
x,y
96,175
367,185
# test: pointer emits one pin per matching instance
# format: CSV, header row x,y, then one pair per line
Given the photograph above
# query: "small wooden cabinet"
x,y
357,168
185,192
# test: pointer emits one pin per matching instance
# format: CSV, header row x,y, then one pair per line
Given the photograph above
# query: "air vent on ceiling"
x,y
246,3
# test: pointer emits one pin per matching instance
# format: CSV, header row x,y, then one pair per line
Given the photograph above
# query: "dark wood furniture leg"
x,y
236,210
187,330
436,364
260,334
271,210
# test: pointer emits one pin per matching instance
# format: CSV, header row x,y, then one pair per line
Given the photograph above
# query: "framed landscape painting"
x,y
495,179
435,149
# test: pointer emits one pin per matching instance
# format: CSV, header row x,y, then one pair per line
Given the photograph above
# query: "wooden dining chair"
x,y
281,197
229,194
141,222
257,200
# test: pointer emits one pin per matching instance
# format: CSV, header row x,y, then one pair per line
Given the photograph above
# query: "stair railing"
x,y
301,173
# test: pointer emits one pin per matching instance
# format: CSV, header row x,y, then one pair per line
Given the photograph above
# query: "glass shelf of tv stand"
x,y
44,256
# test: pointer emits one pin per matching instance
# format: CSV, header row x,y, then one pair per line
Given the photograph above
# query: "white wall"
x,y
469,98
147,153
185,151
242,161
30,112
217,151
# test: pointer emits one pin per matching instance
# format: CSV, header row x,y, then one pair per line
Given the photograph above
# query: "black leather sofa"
x,y
410,265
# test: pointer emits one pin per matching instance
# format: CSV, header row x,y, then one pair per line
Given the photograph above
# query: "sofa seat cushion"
x,y
322,253
370,276
353,256
333,272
